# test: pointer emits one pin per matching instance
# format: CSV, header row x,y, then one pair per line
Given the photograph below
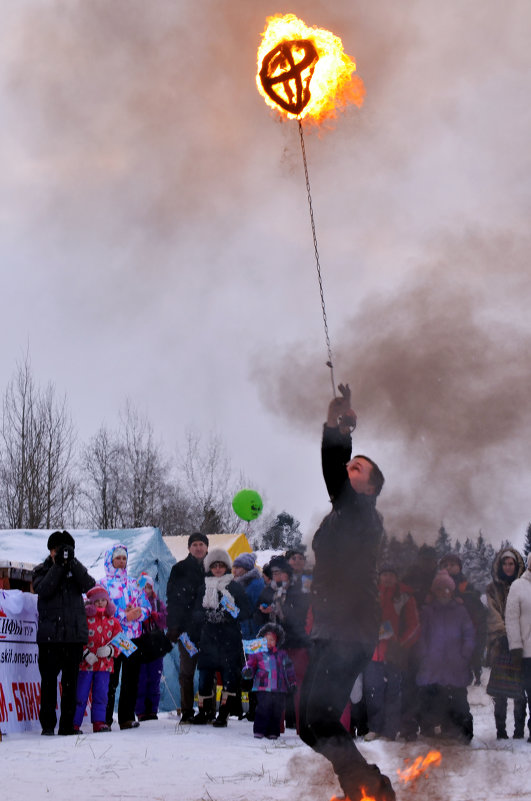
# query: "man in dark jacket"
x,y
60,582
345,603
187,577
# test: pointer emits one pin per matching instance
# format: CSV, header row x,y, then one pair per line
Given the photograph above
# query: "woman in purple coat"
x,y
446,645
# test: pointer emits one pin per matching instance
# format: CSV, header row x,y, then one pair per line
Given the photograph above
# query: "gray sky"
x,y
156,242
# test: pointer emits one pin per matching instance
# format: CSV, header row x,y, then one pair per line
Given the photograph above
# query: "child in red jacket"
x,y
98,658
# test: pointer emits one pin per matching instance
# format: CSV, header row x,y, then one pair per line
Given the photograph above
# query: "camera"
x,y
65,555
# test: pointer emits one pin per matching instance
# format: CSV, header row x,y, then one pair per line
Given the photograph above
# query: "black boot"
x,y
223,714
204,715
500,715
519,718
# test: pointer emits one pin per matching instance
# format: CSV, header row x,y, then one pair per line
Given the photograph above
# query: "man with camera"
x,y
59,583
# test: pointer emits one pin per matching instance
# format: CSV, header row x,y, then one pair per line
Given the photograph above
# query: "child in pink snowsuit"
x,y
98,658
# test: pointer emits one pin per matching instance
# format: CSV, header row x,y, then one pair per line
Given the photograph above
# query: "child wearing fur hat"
x,y
220,606
148,697
446,646
98,658
273,678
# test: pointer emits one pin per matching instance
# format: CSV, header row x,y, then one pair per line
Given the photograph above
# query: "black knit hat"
x,y
198,536
59,538
280,563
293,551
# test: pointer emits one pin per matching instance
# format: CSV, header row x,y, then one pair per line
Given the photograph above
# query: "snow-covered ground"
x,y
162,761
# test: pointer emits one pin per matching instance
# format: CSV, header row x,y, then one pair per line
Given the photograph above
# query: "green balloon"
x,y
247,504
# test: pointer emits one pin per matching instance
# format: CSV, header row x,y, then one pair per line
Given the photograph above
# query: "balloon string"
x,y
330,362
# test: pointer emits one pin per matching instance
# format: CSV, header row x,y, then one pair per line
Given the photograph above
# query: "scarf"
x,y
279,599
213,586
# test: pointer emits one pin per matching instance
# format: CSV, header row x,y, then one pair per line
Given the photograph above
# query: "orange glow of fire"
x,y
303,72
419,766
363,797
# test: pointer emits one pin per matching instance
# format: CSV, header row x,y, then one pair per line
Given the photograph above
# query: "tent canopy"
x,y
234,544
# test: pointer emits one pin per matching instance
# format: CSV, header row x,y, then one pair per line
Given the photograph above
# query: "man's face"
x,y
359,472
297,561
198,549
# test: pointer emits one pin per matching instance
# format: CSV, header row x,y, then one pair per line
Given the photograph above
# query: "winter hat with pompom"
x,y
144,579
99,593
443,581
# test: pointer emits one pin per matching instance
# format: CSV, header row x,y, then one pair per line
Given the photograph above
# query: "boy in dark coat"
x,y
344,598
60,582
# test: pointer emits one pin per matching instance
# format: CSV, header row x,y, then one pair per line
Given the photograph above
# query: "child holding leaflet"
x,y
98,659
273,678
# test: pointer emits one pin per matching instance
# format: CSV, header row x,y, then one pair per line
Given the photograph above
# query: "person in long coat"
x,y
132,608
186,579
220,607
505,679
59,583
446,645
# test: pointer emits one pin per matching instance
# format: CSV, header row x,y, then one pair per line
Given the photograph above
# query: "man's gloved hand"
x,y
105,651
516,657
89,657
68,553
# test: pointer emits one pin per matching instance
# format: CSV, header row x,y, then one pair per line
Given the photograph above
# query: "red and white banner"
x,y
20,680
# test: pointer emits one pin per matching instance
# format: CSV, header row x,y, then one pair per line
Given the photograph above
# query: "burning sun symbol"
x,y
304,71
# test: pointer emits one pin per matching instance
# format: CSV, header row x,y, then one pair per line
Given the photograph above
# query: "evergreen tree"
x,y
527,541
284,533
477,567
443,543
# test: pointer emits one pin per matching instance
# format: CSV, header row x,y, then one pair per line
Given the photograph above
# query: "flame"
x,y
419,766
303,72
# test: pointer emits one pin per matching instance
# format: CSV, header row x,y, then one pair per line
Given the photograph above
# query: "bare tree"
x,y
210,484
37,484
144,471
100,464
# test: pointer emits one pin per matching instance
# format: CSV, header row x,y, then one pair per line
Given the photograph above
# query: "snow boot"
x,y
223,714
204,715
100,725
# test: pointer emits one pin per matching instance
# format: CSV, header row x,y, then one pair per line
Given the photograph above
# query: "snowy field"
x,y
162,761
